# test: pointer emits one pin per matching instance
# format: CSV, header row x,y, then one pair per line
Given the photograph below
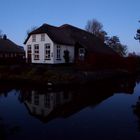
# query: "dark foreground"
x,y
57,75
107,110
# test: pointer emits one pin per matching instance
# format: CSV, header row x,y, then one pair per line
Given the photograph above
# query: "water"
x,y
95,112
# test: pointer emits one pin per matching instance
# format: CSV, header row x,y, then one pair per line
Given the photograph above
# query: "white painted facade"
x,y
53,50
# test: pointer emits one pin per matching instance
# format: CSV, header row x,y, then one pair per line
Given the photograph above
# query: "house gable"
x,y
55,33
41,44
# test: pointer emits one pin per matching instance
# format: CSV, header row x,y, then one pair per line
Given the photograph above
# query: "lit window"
x,y
47,52
36,52
42,37
58,52
33,38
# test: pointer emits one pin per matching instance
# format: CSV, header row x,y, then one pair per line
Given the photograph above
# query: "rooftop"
x,y
6,45
70,35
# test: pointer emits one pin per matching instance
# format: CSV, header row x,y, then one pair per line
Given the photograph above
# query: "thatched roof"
x,y
70,35
7,46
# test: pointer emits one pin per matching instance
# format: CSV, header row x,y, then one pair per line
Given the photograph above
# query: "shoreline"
x,y
42,76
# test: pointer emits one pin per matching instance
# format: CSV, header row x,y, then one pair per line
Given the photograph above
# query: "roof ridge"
x,y
77,28
46,24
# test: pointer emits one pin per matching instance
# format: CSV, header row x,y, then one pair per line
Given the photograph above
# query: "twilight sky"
x,y
119,17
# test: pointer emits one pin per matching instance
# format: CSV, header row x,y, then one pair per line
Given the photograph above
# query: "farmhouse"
x,y
10,52
66,44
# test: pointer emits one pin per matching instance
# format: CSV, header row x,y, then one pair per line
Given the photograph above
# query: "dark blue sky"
x,y
119,17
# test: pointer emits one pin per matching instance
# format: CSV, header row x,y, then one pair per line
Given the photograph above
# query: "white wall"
x,y
41,48
41,106
63,48
53,59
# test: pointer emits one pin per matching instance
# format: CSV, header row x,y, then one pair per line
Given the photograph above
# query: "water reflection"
x,y
136,111
47,105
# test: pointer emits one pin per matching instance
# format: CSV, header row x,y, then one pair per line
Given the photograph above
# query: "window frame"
x,y
81,53
42,37
33,38
47,101
36,52
47,51
58,52
29,48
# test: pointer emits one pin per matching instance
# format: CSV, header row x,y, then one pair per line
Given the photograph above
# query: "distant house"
x,y
10,52
55,45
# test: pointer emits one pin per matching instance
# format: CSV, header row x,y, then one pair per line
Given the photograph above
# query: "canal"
x,y
108,110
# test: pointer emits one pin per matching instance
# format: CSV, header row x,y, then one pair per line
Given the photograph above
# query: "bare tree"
x,y
93,26
96,28
31,29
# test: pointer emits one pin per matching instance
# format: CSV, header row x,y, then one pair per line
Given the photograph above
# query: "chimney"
x,y
4,37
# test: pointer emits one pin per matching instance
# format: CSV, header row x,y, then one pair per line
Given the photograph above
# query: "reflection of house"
x,y
10,52
49,105
49,44
44,104
60,104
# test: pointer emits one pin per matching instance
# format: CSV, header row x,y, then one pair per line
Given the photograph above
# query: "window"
x,y
29,53
33,38
81,53
36,52
58,52
28,48
42,37
47,52
47,101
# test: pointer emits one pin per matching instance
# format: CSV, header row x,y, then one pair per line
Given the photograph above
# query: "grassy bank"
x,y
54,75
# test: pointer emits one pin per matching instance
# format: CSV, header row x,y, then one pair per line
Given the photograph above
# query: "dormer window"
x,y
42,37
33,38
